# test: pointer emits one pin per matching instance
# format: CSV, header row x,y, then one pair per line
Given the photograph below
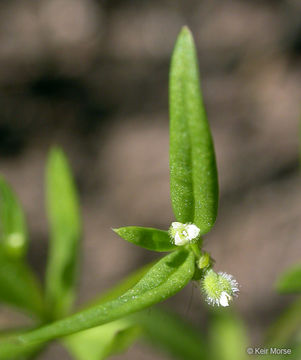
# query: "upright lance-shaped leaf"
x,y
13,229
164,279
193,174
65,230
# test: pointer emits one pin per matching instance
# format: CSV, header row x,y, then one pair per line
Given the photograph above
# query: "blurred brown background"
x,y
92,77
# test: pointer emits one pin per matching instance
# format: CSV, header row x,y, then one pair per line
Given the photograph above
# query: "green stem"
x,y
196,250
168,276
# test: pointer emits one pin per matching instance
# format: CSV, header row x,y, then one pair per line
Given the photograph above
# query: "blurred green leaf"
x,y
172,334
290,281
99,339
168,276
103,341
13,229
227,336
123,286
19,286
148,238
287,324
161,328
65,229
89,341
26,352
193,174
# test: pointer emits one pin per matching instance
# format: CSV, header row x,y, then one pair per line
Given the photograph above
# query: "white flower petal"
x,y
224,299
178,240
193,231
176,225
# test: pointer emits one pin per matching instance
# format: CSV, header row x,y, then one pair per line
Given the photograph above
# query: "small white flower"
x,y
219,288
178,240
193,231
183,234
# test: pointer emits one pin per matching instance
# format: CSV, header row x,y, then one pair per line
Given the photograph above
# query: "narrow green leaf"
x,y
102,341
19,287
193,174
159,327
13,229
98,342
26,352
148,238
290,281
123,286
164,279
172,334
91,343
65,229
227,335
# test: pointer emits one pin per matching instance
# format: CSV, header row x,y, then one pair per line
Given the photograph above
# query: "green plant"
x,y
286,330
194,196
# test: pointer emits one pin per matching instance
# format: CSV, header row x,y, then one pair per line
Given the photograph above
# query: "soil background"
x,y
92,77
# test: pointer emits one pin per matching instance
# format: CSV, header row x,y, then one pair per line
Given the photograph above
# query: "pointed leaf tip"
x,y
148,238
185,31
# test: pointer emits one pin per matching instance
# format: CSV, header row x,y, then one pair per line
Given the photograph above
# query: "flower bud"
x,y
218,288
204,261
